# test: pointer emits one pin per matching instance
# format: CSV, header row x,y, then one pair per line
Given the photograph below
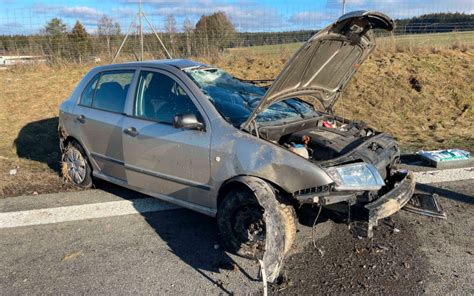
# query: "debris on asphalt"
x,y
264,277
425,204
313,239
71,255
380,248
216,246
387,264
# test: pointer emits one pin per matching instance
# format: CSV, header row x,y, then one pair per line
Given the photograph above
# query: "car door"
x,y
173,162
100,116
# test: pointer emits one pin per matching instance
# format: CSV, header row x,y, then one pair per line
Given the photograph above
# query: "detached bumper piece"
x,y
426,205
389,203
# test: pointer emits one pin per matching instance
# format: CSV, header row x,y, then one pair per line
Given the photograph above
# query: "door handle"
x,y
131,131
81,119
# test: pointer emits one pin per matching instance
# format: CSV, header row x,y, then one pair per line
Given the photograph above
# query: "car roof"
x,y
177,63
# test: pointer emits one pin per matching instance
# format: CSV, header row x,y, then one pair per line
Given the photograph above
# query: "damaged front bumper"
x,y
366,214
389,203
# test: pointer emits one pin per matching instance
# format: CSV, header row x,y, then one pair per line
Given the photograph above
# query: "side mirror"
x,y
187,121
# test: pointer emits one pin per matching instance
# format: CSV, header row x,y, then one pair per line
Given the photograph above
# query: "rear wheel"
x,y
75,166
242,226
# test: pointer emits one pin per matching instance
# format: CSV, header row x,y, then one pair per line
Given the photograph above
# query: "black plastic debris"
x,y
425,204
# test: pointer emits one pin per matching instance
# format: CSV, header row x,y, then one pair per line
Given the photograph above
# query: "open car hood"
x,y
321,68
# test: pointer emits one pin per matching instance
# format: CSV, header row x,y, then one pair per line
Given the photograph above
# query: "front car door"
x,y
100,120
171,162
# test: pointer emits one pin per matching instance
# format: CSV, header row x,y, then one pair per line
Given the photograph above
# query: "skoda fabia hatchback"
x,y
193,135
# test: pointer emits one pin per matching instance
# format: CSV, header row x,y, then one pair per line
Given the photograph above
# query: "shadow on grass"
x,y
39,141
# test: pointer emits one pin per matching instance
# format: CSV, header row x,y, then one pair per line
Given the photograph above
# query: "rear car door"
x,y
172,162
100,116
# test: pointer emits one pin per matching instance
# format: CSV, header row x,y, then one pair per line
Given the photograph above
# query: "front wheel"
x,y
242,226
75,166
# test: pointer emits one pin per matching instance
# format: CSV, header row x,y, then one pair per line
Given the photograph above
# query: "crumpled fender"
x,y
274,224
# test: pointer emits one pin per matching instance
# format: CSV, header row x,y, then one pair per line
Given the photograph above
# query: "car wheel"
x,y
242,226
75,166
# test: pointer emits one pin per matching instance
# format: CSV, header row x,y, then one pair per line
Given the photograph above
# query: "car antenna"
x,y
140,16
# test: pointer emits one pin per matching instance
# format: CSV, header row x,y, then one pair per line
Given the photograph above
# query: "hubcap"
x,y
76,166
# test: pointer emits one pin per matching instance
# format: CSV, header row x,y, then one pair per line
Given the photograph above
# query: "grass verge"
x,y
424,97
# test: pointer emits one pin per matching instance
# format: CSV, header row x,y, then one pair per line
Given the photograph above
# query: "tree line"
x,y
436,23
211,34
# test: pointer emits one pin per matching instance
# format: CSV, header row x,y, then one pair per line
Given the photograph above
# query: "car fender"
x,y
237,153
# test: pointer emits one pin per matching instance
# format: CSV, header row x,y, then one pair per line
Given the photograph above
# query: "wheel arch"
x,y
240,181
65,138
274,221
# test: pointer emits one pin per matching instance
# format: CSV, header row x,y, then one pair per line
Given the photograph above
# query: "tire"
x,y
289,216
75,166
242,227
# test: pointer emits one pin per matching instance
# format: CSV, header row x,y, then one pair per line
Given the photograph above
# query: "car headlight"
x,y
356,177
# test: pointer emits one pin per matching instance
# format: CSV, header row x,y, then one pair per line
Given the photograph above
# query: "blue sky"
x,y
247,15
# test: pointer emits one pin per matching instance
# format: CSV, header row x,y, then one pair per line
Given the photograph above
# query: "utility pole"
x,y
141,27
343,7
140,14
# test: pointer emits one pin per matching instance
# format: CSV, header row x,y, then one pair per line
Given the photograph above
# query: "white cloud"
x,y
80,12
248,16
77,12
310,17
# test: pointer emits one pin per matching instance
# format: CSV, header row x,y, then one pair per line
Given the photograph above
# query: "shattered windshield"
x,y
236,100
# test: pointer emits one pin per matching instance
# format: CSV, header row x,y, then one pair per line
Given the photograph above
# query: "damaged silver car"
x,y
193,135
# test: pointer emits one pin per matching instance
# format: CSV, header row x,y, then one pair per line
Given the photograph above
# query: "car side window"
x,y
88,93
160,98
111,90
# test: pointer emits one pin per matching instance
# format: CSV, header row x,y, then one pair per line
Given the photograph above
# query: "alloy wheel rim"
x,y
76,166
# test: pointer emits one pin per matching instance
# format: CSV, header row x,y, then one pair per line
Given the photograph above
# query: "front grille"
x,y
313,190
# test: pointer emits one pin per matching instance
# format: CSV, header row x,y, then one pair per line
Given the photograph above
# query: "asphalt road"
x,y
174,251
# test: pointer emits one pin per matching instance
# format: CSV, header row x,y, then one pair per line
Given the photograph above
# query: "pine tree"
x,y
80,42
55,30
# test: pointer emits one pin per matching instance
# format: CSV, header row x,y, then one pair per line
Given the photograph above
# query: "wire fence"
x,y
263,26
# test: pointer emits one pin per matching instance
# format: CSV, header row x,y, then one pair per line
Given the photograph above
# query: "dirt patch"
x,y
389,263
415,84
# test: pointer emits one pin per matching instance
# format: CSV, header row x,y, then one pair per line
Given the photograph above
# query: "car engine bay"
x,y
330,140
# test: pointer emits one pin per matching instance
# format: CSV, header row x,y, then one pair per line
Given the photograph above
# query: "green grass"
x,y
413,40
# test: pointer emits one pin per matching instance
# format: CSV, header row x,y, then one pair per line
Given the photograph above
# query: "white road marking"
x,y
445,175
82,212
146,205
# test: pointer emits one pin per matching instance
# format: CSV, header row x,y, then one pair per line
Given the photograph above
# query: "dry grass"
x,y
439,114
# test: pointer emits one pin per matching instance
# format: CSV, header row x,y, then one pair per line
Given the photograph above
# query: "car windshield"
x,y
235,99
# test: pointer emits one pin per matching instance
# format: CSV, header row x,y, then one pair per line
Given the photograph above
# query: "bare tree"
x,y
170,27
106,28
188,31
